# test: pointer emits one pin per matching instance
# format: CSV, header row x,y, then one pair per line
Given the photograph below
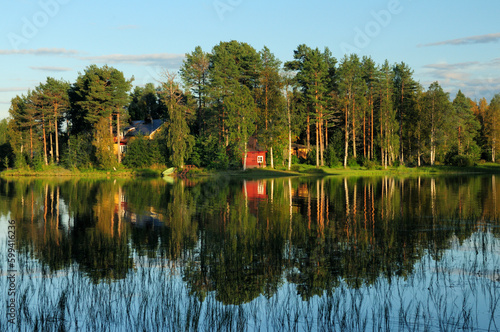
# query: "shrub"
x,y
142,152
332,159
311,157
463,161
369,164
352,162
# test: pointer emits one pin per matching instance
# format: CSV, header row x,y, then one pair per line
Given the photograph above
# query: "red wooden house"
x,y
255,159
256,156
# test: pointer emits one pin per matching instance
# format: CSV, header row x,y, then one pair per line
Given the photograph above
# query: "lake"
x,y
284,254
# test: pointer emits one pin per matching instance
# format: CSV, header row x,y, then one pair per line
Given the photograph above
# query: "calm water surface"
x,y
320,254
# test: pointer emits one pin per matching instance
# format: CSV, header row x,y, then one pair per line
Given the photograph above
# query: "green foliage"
x,y
370,164
332,159
194,73
96,94
234,94
352,162
468,159
142,152
37,163
311,156
6,152
79,152
179,141
103,143
146,104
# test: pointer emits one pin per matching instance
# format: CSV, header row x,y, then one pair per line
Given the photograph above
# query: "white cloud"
x,y
475,79
481,39
159,59
40,51
51,69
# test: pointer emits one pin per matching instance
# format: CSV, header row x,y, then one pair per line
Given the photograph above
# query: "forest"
x,y
343,112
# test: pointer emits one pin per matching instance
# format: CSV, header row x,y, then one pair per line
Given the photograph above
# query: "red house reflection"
x,y
255,190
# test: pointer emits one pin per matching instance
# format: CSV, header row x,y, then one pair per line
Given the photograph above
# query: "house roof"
x,y
143,127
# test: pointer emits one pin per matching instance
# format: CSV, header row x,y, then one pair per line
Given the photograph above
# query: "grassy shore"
x,y
58,171
308,170
297,170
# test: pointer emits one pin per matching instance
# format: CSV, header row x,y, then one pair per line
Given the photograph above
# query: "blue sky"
x,y
454,42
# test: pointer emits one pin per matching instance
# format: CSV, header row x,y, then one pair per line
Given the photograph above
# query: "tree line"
x,y
348,111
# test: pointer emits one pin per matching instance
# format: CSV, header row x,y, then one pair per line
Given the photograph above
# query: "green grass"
x,y
309,170
56,171
262,173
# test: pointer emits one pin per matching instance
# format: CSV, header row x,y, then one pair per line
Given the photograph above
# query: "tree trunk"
x,y
308,133
31,142
401,154
371,130
51,147
326,134
245,157
272,158
321,140
289,134
354,129
364,134
346,136
44,141
111,124
56,131
118,137
317,144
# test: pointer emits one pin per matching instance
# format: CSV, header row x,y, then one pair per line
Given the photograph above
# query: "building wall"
x,y
253,158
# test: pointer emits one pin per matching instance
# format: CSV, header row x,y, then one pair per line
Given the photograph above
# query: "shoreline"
x,y
260,173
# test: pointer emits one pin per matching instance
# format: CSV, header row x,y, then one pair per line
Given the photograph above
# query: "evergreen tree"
x,y
271,121
55,93
370,77
233,75
389,138
352,90
492,126
178,139
194,73
103,144
437,111
404,100
466,124
313,74
97,93
145,103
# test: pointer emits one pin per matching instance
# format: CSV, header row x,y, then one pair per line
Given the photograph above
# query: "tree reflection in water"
x,y
337,253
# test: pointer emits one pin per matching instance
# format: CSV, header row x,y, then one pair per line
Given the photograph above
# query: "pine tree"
x,y
178,139
56,97
492,125
466,124
271,121
352,89
234,75
437,113
389,139
404,99
313,68
194,73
